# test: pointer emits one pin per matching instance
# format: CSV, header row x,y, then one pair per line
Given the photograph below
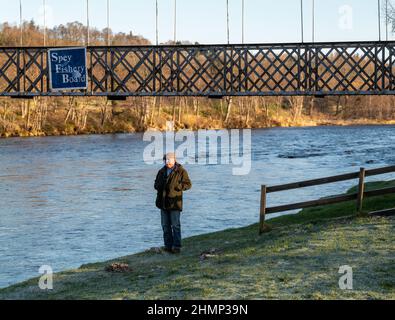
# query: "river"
x,y
67,201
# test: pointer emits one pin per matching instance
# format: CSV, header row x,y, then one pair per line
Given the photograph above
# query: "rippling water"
x,y
66,201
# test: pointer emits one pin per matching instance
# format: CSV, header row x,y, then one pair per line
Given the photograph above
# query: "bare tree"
x,y
296,103
104,114
229,104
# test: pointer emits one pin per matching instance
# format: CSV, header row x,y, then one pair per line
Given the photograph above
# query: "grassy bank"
x,y
299,259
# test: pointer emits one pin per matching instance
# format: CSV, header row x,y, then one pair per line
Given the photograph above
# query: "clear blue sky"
x,y
205,20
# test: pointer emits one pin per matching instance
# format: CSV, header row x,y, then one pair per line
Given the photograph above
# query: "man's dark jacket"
x,y
170,188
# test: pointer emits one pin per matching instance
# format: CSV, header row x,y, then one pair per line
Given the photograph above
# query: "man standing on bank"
x,y
172,180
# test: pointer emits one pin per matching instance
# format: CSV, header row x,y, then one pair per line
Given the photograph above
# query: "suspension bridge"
x,y
355,68
288,69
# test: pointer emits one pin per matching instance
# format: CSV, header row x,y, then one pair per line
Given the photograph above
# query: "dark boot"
x,y
168,250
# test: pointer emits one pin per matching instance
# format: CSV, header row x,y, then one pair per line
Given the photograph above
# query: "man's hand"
x,y
185,184
179,187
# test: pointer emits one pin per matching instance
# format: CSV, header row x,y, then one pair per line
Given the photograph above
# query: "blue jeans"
x,y
171,228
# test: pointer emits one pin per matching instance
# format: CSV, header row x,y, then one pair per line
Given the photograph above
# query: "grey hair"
x,y
170,155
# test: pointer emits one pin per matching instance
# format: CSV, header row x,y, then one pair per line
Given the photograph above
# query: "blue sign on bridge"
x,y
67,69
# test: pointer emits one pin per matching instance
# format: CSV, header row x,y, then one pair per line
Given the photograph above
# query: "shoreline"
x,y
67,283
238,264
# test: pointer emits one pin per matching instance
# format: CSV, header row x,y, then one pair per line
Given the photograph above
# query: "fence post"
x,y
361,190
263,210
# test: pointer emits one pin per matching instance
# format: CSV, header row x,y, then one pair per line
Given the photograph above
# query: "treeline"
x,y
69,116
63,116
73,33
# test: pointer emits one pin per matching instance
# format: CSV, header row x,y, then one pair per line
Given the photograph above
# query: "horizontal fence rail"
x,y
346,68
359,196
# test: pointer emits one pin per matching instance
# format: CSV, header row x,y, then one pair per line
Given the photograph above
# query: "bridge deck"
x,y
346,68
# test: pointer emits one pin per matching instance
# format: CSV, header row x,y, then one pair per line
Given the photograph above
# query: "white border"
x,y
50,69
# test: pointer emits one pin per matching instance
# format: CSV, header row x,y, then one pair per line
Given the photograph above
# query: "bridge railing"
x,y
359,196
346,68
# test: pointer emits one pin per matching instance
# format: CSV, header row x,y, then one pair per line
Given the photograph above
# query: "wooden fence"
x,y
359,196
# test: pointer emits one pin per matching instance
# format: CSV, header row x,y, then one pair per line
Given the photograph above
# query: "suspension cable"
x,y
242,20
386,20
301,20
87,22
108,23
21,23
313,23
45,23
227,21
379,17
157,23
175,21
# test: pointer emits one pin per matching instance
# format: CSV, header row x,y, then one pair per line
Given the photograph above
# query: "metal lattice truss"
x,y
215,70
